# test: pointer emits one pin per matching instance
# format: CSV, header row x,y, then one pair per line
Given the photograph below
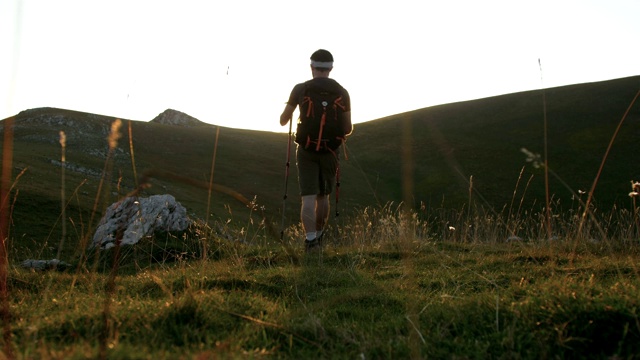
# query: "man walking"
x,y
324,123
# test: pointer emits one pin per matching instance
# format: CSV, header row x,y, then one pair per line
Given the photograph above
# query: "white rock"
x,y
45,264
140,217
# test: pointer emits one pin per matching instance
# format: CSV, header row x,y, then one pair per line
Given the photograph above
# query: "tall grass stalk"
x,y
213,166
546,156
107,322
467,226
407,237
5,186
63,206
101,196
210,187
515,191
133,157
604,159
635,192
63,195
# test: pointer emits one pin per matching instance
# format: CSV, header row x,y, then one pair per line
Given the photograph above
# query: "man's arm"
x,y
347,127
287,113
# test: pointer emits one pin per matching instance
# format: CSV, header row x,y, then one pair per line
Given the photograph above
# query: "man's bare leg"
x,y
322,213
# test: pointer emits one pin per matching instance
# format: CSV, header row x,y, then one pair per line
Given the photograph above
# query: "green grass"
x,y
369,294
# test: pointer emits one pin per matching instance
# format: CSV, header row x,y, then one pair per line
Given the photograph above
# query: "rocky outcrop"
x,y
53,264
174,117
136,217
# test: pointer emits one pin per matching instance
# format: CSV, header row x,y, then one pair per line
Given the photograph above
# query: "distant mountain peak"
x,y
175,117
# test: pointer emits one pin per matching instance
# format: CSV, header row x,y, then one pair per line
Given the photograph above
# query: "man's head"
x,y
321,62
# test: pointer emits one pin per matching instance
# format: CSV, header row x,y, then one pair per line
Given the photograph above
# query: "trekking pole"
x,y
286,180
337,189
344,146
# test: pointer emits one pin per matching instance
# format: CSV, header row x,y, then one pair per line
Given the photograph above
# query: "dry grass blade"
x,y
272,325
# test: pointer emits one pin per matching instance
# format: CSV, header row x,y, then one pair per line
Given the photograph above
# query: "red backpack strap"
x,y
309,103
323,121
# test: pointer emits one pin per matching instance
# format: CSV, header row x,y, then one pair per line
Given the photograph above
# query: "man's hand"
x,y
287,113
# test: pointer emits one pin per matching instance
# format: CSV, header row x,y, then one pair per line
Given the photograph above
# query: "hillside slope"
x,y
437,153
179,159
478,143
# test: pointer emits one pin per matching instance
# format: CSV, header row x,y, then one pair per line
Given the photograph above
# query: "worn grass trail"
x,y
467,300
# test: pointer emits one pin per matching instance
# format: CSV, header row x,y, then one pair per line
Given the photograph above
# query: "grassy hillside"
x,y
94,178
443,147
482,139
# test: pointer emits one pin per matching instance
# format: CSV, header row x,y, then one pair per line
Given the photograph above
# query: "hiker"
x,y
324,123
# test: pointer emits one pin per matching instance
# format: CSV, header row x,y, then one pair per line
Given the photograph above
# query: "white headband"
x,y
322,64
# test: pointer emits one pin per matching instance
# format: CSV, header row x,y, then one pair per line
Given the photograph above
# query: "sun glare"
x,y
228,66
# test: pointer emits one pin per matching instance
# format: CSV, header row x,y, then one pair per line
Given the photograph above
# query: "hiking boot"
x,y
319,239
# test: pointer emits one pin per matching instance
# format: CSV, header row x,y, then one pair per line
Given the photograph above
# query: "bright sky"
x,y
234,62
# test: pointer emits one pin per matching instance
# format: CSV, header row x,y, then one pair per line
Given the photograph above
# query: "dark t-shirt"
x,y
295,99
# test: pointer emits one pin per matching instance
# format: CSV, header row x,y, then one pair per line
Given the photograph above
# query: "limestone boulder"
x,y
138,217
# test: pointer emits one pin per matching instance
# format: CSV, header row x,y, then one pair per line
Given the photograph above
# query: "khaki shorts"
x,y
316,171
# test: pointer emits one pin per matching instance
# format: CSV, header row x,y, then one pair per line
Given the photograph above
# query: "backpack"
x,y
320,127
